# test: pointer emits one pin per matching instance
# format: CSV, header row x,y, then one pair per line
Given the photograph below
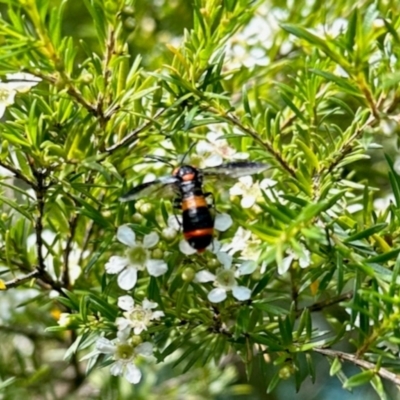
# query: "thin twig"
x,y
382,372
21,280
40,192
132,135
18,174
109,51
68,247
71,89
349,145
320,305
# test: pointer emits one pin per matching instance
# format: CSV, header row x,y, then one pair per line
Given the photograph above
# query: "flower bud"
x,y
169,234
188,274
136,340
213,263
146,209
137,218
285,372
157,254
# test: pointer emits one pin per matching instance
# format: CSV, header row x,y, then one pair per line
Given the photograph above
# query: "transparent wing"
x,y
165,184
235,169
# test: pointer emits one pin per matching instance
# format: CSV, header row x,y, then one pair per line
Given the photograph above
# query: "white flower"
x,y
215,150
222,222
21,83
225,279
137,317
251,191
124,353
247,244
239,241
137,258
304,259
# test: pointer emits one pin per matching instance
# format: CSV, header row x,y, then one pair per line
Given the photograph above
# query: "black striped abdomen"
x,y
198,224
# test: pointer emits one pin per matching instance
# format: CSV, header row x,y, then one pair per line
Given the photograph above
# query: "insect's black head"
x,y
186,173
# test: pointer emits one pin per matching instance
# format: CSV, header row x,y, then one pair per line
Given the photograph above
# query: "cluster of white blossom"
x,y
128,347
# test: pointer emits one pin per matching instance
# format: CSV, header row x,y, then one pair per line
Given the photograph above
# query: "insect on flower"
x,y
187,183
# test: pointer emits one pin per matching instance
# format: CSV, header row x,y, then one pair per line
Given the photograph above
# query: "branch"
x,y
68,247
320,305
350,144
132,136
40,191
382,372
18,174
21,280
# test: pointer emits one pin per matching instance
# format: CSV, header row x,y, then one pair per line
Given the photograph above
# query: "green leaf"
x,y
103,307
336,366
273,382
310,157
365,233
360,379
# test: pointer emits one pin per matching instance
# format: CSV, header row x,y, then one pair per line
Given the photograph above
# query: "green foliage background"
x,y
118,79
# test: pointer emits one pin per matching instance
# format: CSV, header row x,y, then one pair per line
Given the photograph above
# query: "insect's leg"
x,y
177,205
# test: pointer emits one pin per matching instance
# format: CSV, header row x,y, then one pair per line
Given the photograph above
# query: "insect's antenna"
x,y
187,153
160,159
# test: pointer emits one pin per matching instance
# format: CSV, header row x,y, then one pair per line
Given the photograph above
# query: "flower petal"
x,y
127,278
105,346
150,240
132,374
173,222
204,147
23,76
144,349
236,190
117,368
225,259
122,323
186,248
217,295
266,183
241,156
213,160
157,315
247,181
126,235
124,334
247,201
214,246
156,267
284,266
248,267
116,264
222,222
147,304
2,109
305,259
241,293
126,302
204,276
